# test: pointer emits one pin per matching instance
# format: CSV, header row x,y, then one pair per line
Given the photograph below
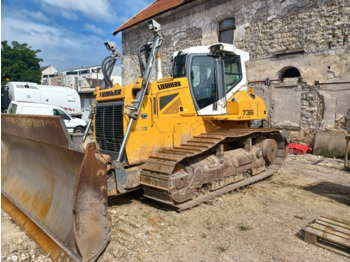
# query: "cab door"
x,y
206,81
213,79
66,118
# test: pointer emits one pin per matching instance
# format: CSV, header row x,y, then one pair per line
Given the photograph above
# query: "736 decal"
x,y
249,112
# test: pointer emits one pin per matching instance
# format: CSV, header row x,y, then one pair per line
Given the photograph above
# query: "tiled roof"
x,y
156,8
44,67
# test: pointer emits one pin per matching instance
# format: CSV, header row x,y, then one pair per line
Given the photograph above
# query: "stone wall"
x,y
297,108
304,110
310,35
58,81
311,26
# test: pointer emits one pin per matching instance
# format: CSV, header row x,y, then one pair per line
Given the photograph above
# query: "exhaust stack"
x,y
159,66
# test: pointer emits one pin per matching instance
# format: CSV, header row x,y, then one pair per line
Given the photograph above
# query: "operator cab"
x,y
214,74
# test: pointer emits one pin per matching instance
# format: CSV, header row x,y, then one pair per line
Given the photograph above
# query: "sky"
x,y
69,33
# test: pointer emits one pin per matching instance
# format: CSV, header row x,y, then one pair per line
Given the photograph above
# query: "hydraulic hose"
x,y
144,50
107,68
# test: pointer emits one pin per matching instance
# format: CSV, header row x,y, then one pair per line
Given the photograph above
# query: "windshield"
x,y
179,67
233,72
57,112
12,109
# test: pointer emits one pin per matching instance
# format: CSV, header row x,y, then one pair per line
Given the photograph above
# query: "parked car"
x,y
64,97
74,125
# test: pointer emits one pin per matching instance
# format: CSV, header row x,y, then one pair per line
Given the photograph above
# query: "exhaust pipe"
x,y
159,66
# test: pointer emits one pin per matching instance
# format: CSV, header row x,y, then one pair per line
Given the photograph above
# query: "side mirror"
x,y
171,66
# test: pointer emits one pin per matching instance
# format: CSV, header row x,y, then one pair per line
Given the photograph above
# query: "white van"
x,y
64,97
74,125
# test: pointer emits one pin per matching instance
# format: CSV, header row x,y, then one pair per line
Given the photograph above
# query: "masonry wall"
x,y
310,35
58,81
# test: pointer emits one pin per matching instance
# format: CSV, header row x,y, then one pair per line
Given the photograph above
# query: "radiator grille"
x,y
109,127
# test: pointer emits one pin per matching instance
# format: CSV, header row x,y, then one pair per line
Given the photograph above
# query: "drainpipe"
x,y
159,66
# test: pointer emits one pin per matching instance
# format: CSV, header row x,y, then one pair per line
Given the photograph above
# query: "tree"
x,y
19,63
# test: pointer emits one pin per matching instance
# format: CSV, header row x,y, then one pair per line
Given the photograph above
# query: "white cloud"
x,y
26,14
35,15
115,11
67,14
93,28
68,44
60,47
54,11
94,9
21,31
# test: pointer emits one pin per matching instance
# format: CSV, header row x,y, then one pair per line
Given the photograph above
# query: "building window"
x,y
226,29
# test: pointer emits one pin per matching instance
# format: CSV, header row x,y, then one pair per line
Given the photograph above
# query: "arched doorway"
x,y
289,72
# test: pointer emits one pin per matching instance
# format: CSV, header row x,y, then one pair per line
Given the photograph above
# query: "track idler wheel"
x,y
269,150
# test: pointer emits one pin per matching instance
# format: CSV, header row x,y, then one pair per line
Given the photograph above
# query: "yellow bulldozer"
x,y
183,140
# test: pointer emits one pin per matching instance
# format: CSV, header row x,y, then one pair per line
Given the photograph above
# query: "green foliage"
x,y
243,227
222,248
19,63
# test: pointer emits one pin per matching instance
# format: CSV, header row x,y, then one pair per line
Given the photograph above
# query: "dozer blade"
x,y
54,191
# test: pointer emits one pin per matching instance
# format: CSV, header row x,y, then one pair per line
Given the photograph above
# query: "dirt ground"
x,y
263,222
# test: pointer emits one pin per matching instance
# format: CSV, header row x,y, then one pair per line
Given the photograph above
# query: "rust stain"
x,y
45,129
38,204
91,223
24,122
33,231
4,154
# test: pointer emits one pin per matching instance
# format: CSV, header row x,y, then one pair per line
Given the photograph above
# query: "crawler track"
x,y
159,174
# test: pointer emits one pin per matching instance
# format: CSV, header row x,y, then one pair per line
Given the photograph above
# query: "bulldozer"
x,y
182,139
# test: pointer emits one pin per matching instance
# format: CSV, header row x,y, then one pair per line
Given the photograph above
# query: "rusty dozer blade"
x,y
53,190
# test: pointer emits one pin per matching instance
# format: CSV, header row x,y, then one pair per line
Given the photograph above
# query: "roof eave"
x,y
121,28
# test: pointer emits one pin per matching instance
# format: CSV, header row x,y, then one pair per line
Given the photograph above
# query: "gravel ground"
x,y
262,222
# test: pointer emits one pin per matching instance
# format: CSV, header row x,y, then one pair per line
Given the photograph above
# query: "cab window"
x,y
233,72
57,112
203,80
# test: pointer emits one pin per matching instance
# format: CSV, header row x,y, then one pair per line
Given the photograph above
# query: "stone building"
x,y
299,56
